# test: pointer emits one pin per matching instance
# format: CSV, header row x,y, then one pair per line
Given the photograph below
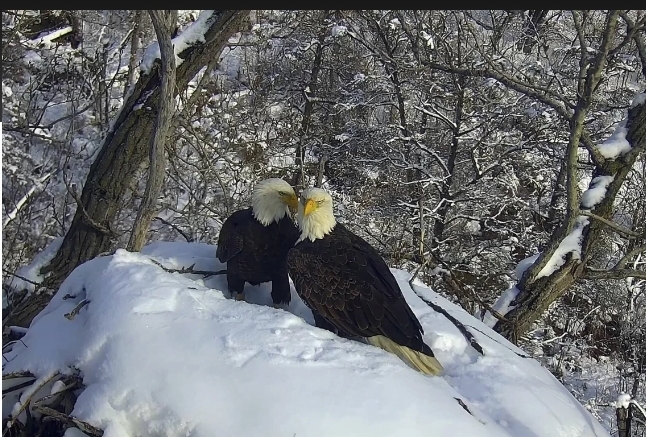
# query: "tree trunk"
x,y
123,151
537,293
164,23
538,289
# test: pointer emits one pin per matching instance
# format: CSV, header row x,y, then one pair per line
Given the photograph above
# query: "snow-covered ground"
x,y
166,354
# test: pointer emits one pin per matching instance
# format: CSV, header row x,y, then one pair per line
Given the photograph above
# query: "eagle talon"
x,y
239,296
281,306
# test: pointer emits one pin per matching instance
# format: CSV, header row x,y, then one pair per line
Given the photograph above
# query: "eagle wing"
x,y
349,284
230,241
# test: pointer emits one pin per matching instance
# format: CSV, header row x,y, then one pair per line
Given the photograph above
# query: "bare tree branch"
x,y
164,23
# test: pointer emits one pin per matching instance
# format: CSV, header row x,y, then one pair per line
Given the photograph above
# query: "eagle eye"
x,y
282,193
319,202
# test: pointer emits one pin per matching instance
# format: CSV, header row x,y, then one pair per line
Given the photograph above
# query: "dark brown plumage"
x,y
254,241
345,280
255,253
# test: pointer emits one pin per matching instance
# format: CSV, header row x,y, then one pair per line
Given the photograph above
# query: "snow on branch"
x,y
596,192
190,36
38,185
617,144
570,244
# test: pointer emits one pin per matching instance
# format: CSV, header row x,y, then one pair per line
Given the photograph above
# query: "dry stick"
x,y
18,386
484,333
75,311
472,341
190,270
67,418
470,295
53,398
18,374
28,400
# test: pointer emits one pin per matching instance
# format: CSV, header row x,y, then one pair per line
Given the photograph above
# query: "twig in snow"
x,y
484,333
18,374
24,404
54,399
463,405
190,270
75,311
67,418
472,341
18,386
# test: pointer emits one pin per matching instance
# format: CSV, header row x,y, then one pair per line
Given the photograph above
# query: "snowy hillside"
x,y
165,354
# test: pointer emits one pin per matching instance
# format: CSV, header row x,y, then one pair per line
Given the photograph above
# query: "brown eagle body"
x,y
256,253
343,278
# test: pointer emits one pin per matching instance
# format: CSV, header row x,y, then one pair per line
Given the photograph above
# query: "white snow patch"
x,y
74,432
6,90
473,227
168,354
597,191
501,306
32,58
47,39
32,271
570,244
639,99
191,35
428,38
524,265
339,30
57,387
342,137
623,400
617,144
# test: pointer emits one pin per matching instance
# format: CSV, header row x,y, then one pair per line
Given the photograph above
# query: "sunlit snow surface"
x,y
164,354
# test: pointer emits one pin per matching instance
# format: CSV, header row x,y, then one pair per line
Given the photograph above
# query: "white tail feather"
x,y
417,360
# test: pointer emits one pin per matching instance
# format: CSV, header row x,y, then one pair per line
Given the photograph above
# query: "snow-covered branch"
x,y
25,199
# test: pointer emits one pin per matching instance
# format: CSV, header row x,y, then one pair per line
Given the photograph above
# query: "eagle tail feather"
x,y
421,362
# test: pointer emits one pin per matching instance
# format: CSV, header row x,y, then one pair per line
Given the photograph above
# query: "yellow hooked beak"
x,y
292,202
310,206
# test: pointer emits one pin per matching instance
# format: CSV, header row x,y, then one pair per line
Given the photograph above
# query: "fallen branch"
x,y
470,338
18,386
189,270
484,333
69,419
24,404
18,374
77,308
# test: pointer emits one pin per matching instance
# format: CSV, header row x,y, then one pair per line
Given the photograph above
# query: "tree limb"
x,y
164,23
613,225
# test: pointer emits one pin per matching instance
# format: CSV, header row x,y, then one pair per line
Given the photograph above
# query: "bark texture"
x,y
124,149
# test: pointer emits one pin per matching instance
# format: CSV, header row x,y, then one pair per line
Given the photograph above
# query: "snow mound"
x,y
166,354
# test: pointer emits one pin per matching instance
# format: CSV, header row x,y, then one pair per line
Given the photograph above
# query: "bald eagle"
x,y
254,241
343,279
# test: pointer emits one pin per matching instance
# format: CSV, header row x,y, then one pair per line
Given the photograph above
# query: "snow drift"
x,y
166,354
